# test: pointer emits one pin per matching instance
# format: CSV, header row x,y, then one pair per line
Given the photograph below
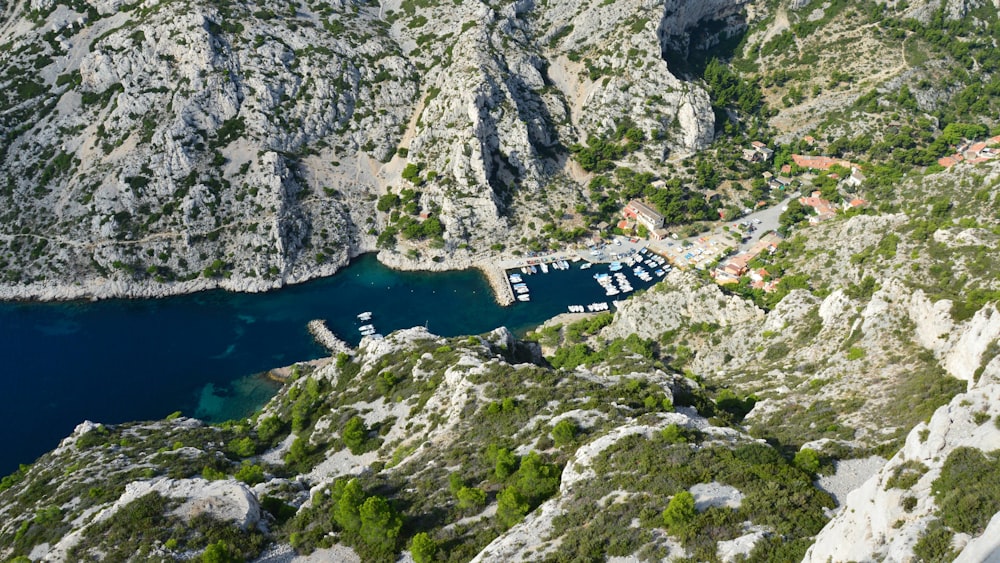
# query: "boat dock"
x,y
326,338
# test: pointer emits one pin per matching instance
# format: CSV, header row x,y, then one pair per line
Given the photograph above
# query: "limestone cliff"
x,y
165,147
890,514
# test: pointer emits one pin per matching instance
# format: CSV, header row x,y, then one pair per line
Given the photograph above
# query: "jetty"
x,y
326,338
497,277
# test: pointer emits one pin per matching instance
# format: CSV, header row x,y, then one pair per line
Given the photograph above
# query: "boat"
x,y
366,316
600,275
366,327
521,290
545,269
514,278
525,270
521,284
615,266
564,264
659,273
533,269
523,297
586,265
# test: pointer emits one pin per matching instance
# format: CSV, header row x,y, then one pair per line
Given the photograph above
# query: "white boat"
x,y
659,273
366,316
523,297
586,265
533,269
515,278
366,327
521,290
545,268
615,266
525,270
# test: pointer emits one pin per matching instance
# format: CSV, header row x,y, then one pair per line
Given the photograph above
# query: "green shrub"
x,y
470,497
243,447
807,460
905,475
680,514
564,432
250,474
423,548
934,546
220,552
355,435
968,490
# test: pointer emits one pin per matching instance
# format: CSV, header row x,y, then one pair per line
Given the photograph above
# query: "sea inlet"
x,y
120,360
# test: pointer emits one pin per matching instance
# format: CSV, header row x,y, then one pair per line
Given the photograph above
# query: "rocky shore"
x,y
100,288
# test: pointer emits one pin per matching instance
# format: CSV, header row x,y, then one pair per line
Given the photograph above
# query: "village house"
x,y
855,179
777,182
973,153
758,152
738,266
854,203
820,162
824,209
643,214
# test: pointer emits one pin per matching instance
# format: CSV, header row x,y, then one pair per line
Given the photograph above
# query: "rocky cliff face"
x,y
165,147
893,513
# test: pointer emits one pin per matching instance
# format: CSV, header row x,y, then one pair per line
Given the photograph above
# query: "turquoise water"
x,y
121,360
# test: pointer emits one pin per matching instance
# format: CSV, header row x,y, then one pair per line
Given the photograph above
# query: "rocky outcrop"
x,y
683,299
685,25
876,523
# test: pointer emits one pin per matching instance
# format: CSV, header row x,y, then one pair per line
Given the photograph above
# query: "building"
x,y
819,162
758,152
643,214
824,209
659,234
779,182
855,179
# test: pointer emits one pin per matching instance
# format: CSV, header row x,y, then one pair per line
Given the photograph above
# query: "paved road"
x,y
768,221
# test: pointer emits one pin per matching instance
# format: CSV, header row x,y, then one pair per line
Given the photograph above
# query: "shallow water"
x,y
121,360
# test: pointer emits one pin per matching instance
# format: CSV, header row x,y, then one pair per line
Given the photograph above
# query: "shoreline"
x,y
101,289
492,265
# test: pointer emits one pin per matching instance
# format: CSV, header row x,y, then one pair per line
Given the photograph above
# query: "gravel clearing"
x,y
849,475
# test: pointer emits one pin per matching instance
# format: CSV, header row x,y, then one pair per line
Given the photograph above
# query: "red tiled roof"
x,y
819,162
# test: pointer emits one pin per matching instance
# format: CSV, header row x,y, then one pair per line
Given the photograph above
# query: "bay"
x,y
121,360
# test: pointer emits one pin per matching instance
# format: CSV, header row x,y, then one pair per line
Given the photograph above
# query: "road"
x,y
768,217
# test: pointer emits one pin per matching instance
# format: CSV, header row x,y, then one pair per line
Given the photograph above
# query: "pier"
x,y
497,277
326,338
